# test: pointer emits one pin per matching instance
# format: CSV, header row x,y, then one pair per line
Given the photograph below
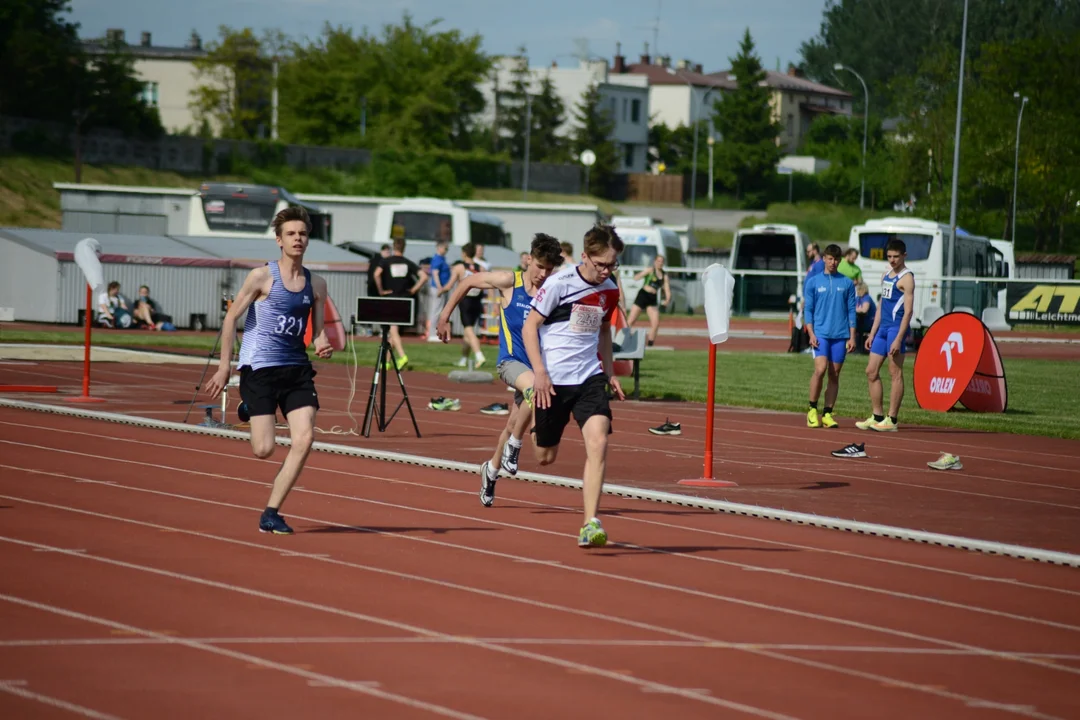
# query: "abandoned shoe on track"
x,y
851,451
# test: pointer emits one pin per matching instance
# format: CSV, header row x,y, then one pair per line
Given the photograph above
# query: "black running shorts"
x,y
471,309
286,386
580,401
645,300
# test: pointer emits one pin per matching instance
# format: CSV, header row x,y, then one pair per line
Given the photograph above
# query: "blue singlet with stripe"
x,y
892,299
275,326
511,320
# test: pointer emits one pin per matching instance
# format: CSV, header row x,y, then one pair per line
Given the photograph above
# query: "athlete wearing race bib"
x,y
516,293
886,338
280,299
568,339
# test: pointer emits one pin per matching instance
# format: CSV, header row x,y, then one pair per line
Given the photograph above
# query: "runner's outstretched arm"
x,y
250,291
496,280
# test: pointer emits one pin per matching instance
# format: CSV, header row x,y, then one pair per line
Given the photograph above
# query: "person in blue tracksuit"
x,y
829,318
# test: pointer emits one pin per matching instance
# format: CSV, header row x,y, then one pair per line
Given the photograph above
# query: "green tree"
x,y
235,82
42,60
674,147
886,39
594,127
747,157
111,97
514,108
549,114
418,84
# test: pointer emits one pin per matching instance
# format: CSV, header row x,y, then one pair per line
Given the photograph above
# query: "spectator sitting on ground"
x,y
148,312
113,309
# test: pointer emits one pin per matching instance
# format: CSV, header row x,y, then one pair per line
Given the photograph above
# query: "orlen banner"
x,y
959,360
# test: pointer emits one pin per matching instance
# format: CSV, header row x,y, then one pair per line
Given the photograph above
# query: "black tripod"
x,y
378,382
225,299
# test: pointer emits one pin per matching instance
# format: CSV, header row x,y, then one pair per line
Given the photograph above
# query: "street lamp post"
x,y
1016,162
710,142
866,119
528,135
956,157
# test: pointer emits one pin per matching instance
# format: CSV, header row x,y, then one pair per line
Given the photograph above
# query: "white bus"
x,y
237,210
776,248
927,245
434,220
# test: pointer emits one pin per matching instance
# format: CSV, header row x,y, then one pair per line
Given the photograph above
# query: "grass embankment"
x,y
27,197
1039,401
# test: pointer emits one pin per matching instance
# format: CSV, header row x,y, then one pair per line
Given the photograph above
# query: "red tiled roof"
x,y
782,81
659,75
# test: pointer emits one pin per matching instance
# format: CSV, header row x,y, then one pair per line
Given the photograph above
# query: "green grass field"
x,y
1039,397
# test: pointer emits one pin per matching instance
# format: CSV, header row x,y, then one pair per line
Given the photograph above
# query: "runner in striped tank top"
x,y
280,299
886,339
517,290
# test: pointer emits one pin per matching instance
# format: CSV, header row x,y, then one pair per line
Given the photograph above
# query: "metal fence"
x,y
183,292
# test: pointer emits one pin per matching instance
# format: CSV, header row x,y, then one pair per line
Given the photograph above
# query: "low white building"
x,y
626,97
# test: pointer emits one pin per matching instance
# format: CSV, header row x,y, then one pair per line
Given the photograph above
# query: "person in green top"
x,y
848,267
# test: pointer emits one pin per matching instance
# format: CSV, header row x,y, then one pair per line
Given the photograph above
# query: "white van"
x,y
776,248
434,219
643,240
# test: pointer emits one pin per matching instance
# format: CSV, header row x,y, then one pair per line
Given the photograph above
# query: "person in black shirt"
x,y
372,288
398,276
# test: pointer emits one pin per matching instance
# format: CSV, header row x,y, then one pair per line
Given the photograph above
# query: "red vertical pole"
x,y
86,341
85,397
709,413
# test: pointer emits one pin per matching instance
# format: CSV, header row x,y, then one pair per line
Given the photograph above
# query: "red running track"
x,y
133,583
1013,489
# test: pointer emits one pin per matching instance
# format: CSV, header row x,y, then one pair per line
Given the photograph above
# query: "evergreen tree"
x,y
548,113
513,107
747,157
594,128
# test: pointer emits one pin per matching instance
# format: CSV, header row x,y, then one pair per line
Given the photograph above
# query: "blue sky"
x,y
702,31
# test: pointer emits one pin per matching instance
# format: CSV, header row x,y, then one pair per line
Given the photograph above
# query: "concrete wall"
x,y
28,280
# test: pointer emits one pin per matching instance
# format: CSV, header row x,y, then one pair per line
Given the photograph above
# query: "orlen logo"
x,y
945,385
956,340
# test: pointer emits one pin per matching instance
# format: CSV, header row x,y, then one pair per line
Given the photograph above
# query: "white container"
x,y
719,292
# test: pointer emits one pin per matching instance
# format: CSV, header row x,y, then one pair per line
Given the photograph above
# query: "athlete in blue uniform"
x,y
275,371
517,289
829,319
886,338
